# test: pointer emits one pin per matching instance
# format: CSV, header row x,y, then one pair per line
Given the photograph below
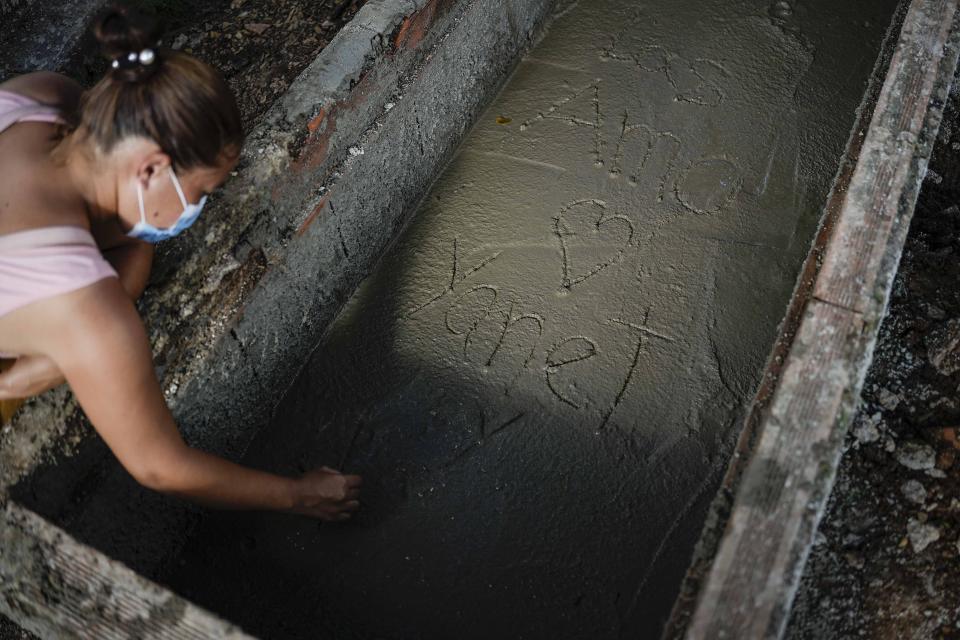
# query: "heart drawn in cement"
x,y
590,239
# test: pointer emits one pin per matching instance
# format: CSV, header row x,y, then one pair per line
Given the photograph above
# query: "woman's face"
x,y
162,205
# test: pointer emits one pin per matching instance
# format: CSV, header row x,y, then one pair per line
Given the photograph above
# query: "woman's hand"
x,y
327,494
29,376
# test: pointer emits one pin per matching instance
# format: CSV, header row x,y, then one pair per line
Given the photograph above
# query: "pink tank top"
x,y
47,261
16,108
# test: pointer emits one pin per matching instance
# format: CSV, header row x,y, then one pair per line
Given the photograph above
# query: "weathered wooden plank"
x,y
69,590
860,241
781,495
787,480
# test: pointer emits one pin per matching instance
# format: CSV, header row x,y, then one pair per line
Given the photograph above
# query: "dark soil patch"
x,y
887,559
10,631
260,46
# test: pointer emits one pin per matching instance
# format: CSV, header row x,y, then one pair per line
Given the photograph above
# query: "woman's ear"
x,y
152,166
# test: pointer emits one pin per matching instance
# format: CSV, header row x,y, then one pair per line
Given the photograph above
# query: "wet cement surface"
x,y
541,382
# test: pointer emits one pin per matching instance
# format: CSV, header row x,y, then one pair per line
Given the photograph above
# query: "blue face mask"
x,y
145,231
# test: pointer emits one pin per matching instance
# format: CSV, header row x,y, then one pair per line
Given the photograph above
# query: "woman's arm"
x,y
104,353
130,258
132,261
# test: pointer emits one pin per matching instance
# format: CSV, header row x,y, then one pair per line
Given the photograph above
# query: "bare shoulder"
x,y
47,87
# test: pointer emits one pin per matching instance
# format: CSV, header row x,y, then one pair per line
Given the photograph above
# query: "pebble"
x,y
921,535
866,432
914,491
936,313
855,560
257,27
917,456
943,348
781,10
888,399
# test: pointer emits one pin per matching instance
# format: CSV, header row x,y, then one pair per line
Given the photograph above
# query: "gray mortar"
x,y
237,304
543,378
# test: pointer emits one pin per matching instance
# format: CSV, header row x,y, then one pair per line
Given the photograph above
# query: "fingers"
x,y
331,495
341,514
350,480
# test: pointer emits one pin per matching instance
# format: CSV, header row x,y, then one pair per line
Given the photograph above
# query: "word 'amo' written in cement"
x,y
649,156
494,334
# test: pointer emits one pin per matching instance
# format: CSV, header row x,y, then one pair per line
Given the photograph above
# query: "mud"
x,y
542,380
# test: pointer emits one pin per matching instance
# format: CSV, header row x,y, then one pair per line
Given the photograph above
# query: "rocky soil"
x,y
259,45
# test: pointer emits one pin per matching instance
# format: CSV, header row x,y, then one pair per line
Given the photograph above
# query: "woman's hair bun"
x,y
121,29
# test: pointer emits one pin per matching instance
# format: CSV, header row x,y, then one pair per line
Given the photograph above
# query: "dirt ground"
x,y
887,559
260,46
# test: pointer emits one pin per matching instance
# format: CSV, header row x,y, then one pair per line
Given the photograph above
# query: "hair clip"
x,y
145,57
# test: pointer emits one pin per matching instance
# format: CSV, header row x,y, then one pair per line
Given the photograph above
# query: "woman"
x,y
87,182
